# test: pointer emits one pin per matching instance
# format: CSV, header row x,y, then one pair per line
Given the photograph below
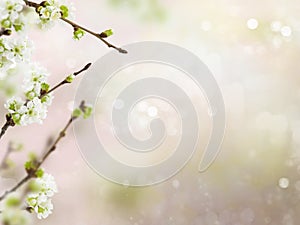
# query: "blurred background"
x,y
252,48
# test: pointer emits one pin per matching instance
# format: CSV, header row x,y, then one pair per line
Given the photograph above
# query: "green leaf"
x,y
87,112
64,11
78,33
16,118
18,27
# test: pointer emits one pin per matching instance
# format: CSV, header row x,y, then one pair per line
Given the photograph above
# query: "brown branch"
x,y
76,26
97,35
5,32
87,66
9,150
32,172
9,121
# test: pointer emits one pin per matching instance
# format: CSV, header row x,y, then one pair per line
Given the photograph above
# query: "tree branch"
x,y
9,121
87,66
5,32
9,150
75,25
51,149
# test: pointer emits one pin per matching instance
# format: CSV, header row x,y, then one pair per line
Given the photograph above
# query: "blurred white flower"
x,y
10,14
13,51
12,212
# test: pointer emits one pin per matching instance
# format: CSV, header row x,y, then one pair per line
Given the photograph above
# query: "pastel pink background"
x,y
258,72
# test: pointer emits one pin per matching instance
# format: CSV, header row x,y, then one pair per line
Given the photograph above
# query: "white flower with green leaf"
x,y
51,10
13,51
12,212
10,14
42,188
34,109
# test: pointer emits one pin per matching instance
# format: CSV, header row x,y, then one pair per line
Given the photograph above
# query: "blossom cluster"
x,y
11,16
39,200
51,10
34,108
12,213
13,51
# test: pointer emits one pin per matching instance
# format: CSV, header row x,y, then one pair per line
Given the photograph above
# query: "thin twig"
x,y
87,66
76,26
9,150
32,173
97,35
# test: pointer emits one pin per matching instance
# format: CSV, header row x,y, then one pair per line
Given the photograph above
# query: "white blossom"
x,y
35,108
35,77
10,14
40,200
52,10
41,204
13,51
14,104
12,212
47,184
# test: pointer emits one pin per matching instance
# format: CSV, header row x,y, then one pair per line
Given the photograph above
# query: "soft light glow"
x,y
286,31
152,111
284,182
252,24
206,25
275,26
118,104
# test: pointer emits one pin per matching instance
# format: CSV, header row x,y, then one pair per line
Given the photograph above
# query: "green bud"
x,y
12,201
28,165
16,118
106,33
76,113
32,156
45,87
6,23
70,78
33,186
17,146
39,173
